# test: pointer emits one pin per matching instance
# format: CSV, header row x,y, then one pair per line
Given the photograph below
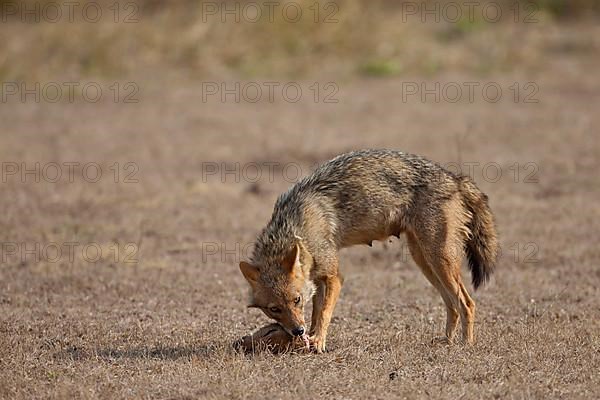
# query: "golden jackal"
x,y
356,198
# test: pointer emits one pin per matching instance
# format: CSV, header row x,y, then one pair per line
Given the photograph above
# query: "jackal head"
x,y
281,290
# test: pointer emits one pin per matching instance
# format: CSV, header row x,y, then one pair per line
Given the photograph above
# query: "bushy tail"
x,y
482,246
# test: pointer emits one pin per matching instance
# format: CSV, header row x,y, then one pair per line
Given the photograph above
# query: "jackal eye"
x,y
275,310
297,300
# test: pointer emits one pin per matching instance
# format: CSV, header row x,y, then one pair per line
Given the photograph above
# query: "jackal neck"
x,y
303,211
275,241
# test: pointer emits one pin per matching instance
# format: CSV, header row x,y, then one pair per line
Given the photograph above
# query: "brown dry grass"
x,y
162,327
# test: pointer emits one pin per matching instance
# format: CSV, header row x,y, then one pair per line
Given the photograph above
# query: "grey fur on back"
x,y
346,188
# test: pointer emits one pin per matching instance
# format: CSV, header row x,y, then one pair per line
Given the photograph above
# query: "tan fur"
x,y
357,198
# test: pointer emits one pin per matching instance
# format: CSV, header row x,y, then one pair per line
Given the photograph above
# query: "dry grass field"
x,y
126,284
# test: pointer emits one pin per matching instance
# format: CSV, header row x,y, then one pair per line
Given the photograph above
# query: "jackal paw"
x,y
317,344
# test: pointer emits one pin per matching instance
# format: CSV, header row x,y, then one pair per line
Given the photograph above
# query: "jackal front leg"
x,y
332,286
317,307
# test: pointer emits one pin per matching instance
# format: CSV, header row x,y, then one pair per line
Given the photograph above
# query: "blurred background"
x,y
345,39
143,144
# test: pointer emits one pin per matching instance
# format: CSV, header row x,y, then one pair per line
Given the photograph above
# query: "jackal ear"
x,y
250,272
292,259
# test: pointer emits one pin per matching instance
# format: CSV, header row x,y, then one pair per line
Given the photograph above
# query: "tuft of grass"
x,y
380,68
555,7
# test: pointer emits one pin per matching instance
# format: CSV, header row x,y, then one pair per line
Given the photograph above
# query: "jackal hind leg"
x,y
445,258
451,311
